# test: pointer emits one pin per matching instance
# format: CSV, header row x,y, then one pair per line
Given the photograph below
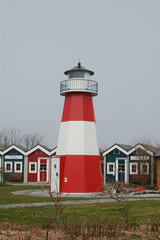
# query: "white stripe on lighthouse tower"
x,y
77,137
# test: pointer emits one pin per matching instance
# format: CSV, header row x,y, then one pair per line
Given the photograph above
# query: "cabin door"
x,y
120,169
42,170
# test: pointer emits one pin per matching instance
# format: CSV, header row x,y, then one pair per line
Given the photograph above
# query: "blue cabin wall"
x,y
13,156
130,177
111,158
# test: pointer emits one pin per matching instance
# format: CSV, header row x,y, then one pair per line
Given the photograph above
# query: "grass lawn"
x,y
142,212
138,212
6,196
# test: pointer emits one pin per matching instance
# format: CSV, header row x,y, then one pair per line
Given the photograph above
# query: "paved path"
x,y
77,202
98,198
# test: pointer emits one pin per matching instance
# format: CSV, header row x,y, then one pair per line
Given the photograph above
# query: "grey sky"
x,y
118,39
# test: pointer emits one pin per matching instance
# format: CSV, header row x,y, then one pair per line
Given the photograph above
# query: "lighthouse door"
x,y
55,174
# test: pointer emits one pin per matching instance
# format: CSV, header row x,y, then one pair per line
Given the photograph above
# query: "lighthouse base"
x,y
80,174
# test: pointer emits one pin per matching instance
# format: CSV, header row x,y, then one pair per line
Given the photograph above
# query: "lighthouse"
x,y
76,167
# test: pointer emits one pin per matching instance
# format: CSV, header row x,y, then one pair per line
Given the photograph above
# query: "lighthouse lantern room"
x,y
76,167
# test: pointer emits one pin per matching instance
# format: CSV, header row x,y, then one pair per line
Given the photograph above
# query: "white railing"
x,y
79,85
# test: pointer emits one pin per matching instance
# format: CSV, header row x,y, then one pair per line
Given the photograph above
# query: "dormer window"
x,y
116,151
13,151
76,74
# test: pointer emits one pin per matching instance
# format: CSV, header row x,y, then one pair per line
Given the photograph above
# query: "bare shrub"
x,y
72,230
155,227
57,210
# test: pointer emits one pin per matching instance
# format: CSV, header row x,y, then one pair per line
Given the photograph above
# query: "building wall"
x,y
114,158
111,158
25,169
13,157
132,160
0,168
158,172
33,158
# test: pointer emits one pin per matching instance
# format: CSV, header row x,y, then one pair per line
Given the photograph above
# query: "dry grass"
x,y
76,231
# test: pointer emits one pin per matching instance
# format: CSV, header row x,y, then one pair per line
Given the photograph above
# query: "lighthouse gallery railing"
x,y
79,85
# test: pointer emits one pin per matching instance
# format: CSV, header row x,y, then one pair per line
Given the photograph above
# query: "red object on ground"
x,y
139,189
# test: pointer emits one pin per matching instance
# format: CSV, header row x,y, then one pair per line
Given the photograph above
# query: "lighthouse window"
x,y
76,75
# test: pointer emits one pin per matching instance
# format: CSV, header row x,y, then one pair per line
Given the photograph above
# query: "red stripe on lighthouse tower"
x,y
78,107
77,138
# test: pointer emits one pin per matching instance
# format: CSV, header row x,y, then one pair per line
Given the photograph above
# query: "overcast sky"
x,y
117,39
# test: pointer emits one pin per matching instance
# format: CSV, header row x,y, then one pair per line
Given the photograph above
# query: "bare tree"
x,y
14,136
2,175
9,137
157,145
31,140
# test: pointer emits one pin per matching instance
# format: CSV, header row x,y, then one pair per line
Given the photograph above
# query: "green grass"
x,y
139,212
6,196
145,212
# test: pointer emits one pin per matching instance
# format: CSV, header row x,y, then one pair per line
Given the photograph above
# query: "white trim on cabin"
x,y
14,147
43,149
47,168
38,147
114,147
139,158
5,166
125,171
53,151
108,166
134,148
35,165
141,147
15,166
131,172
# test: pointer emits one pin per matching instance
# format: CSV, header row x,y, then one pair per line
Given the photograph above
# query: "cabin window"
x,y
18,167
76,75
38,152
8,166
43,167
13,151
116,151
121,167
133,168
32,167
145,168
110,168
139,151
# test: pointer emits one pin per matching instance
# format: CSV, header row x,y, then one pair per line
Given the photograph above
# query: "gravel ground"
x,y
45,193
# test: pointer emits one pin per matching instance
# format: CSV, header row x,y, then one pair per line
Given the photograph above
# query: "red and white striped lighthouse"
x,y
79,166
